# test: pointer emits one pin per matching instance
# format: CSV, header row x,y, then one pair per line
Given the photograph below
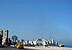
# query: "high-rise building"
x,y
49,42
14,38
3,37
52,41
34,42
56,43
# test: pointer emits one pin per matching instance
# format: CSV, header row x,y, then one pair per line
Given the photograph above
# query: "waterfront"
x,y
36,24
49,48
46,48
69,46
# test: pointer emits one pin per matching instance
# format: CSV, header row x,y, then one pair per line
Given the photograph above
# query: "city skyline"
x,y
32,19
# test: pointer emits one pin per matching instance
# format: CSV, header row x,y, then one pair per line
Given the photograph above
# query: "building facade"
x,y
3,37
14,38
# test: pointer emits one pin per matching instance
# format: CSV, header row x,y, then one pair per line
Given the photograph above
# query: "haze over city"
x,y
32,19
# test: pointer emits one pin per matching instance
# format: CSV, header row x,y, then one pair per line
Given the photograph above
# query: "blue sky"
x,y
32,19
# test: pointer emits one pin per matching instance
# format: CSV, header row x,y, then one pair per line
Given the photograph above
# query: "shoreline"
x,y
46,48
49,47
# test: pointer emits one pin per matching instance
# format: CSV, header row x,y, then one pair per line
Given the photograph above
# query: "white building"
x,y
52,42
49,42
34,42
4,37
56,43
44,43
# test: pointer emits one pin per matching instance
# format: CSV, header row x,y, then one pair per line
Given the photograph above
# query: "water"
x,y
68,46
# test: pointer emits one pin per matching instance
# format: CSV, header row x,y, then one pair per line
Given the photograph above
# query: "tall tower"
x,y
1,34
5,37
52,41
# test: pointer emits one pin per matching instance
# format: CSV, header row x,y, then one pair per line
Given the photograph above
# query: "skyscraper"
x,y
3,37
52,41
